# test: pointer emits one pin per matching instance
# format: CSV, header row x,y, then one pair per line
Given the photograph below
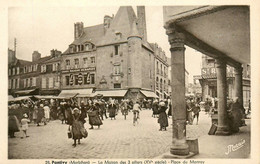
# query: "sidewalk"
x,y
212,146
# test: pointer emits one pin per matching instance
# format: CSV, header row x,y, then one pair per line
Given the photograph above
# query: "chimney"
x,y
78,29
107,21
11,56
36,56
55,53
141,22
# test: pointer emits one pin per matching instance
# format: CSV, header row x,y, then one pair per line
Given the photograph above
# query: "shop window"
x,y
86,79
117,85
76,79
92,78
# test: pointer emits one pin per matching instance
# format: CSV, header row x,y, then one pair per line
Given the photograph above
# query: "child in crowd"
x,y
24,123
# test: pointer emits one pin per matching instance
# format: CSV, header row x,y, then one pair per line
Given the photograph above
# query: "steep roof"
x,y
55,59
91,34
122,23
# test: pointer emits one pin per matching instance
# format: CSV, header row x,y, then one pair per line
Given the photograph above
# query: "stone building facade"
x,y
115,56
208,80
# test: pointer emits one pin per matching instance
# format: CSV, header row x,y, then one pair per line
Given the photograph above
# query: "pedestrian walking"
x,y
46,109
40,115
196,111
24,124
94,119
136,112
112,109
163,119
77,128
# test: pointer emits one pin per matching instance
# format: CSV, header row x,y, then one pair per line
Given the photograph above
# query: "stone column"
x,y
238,83
223,127
179,143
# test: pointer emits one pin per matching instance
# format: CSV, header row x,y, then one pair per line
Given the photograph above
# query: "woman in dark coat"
x,y
77,128
40,115
163,119
235,115
93,114
112,109
13,123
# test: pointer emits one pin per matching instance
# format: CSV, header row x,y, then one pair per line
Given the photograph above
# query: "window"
x,y
76,63
116,49
82,47
87,47
49,68
43,82
13,83
34,81
43,68
117,85
16,83
86,79
27,83
116,69
67,64
51,82
9,84
78,48
30,82
17,70
9,72
13,71
67,79
92,59
76,79
92,78
85,61
129,70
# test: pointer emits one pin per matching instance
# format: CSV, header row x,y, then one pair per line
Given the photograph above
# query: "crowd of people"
x,y
69,112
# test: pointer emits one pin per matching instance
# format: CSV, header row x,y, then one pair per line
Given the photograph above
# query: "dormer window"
x,y
87,47
118,35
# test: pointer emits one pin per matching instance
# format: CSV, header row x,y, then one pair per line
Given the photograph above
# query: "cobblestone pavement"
x,y
115,139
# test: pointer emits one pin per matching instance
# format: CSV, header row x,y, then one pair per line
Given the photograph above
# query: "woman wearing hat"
x,y
163,119
78,130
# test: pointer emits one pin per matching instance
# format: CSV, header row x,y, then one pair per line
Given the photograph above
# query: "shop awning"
x,y
48,97
21,98
10,98
76,92
85,92
149,94
25,92
67,93
111,93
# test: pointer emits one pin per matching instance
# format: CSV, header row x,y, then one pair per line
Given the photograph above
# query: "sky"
x,y
45,28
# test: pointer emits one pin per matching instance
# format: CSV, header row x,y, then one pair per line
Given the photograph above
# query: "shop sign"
x,y
213,71
79,70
